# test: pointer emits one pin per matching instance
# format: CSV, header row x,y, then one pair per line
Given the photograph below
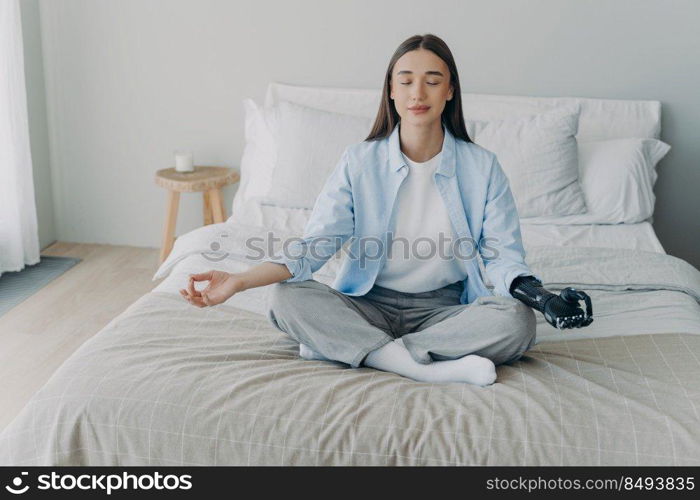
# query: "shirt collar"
x,y
447,162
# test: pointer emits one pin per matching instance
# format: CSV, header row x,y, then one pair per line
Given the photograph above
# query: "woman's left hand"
x,y
563,311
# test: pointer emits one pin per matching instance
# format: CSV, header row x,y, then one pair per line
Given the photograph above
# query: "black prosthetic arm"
x,y
560,311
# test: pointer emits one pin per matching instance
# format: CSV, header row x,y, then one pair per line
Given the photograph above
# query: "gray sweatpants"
x,y
433,325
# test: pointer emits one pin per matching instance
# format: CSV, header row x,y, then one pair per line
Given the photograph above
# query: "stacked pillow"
x,y
291,149
309,144
618,178
258,160
539,156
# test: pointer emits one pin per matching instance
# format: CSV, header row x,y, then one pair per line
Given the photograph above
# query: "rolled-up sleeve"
x,y
330,225
500,244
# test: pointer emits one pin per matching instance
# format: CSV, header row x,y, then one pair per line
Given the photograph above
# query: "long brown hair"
x,y
452,116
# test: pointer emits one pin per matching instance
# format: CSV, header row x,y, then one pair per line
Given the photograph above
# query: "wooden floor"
x,y
37,335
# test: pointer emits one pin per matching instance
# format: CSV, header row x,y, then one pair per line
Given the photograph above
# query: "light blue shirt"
x,y
354,207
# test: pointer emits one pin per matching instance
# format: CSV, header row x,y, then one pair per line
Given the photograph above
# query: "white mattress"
x,y
639,236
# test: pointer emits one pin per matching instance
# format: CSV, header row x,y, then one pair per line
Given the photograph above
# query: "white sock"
x,y
394,357
307,353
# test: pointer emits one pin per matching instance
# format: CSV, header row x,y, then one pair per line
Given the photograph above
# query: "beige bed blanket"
x,y
168,384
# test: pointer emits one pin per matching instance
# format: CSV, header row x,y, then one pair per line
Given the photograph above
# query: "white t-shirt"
x,y
419,256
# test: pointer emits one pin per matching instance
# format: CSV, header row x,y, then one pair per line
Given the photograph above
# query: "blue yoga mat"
x,y
16,287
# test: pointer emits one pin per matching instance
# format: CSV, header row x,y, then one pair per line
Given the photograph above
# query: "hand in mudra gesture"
x,y
221,287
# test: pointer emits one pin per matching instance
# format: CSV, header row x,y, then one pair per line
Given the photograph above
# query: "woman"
x,y
416,179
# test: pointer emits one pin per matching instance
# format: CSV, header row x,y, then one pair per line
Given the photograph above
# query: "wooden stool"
x,y
207,180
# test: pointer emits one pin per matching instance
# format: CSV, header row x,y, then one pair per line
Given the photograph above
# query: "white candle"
x,y
183,161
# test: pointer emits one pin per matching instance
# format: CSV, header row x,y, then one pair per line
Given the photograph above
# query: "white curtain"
x,y
19,238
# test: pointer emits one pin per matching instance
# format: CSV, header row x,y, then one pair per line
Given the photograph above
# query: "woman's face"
x,y
420,78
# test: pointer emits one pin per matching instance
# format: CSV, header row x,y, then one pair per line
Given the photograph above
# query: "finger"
x,y
197,301
192,300
188,298
202,276
191,289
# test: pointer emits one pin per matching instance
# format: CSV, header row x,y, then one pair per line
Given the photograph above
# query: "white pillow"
x,y
618,178
257,163
309,144
539,156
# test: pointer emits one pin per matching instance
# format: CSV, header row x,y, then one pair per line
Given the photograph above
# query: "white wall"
x,y
128,81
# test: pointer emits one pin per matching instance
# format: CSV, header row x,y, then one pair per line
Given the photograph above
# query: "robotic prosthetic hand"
x,y
560,311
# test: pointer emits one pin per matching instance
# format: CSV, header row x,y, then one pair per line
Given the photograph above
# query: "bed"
x,y
165,383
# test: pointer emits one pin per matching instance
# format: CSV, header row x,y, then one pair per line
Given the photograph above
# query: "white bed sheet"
x,y
640,236
634,236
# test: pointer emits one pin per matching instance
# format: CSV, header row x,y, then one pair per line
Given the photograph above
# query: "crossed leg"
x,y
498,328
352,330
